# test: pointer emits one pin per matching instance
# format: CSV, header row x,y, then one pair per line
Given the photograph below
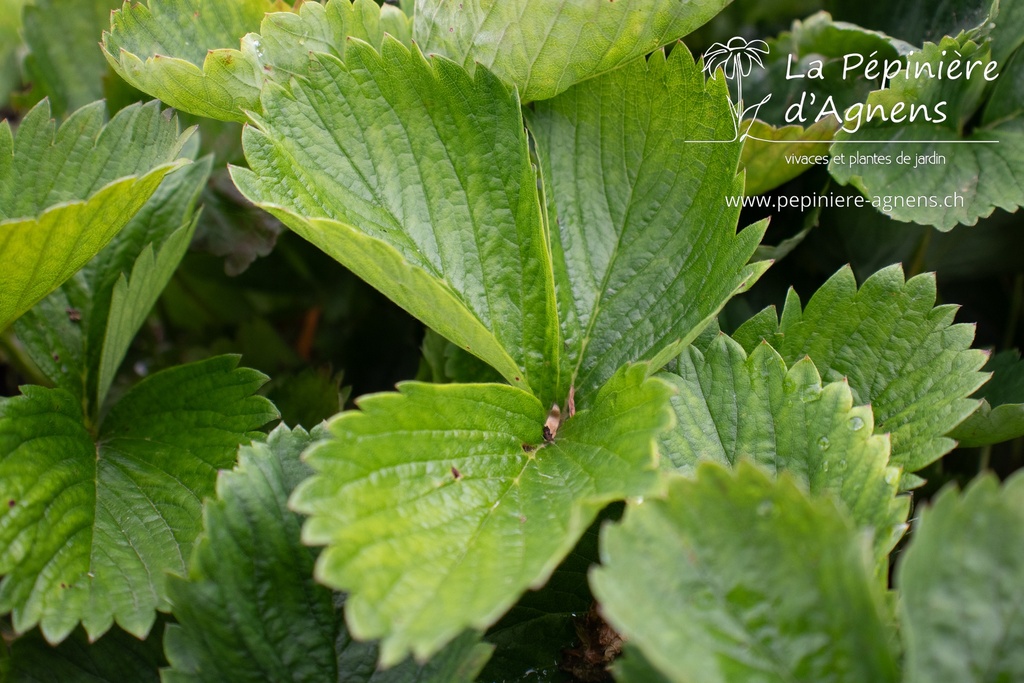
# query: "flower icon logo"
x,y
736,58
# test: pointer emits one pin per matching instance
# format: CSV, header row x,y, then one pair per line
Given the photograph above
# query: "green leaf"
x,y
1006,103
633,667
1006,35
79,335
251,547
445,362
176,50
64,62
981,167
309,397
739,577
545,48
920,20
531,639
730,406
117,657
441,504
184,51
429,196
90,525
63,198
1001,414
10,42
903,357
804,70
962,586
642,232
766,159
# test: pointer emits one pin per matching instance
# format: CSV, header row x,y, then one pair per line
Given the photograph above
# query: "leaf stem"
x,y
917,263
13,353
1013,316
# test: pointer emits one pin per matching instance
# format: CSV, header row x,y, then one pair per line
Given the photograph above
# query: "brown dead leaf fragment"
x,y
599,646
552,423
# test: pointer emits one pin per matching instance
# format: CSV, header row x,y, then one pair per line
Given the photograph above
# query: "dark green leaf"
x,y
64,62
642,233
739,577
962,586
117,657
1001,414
90,525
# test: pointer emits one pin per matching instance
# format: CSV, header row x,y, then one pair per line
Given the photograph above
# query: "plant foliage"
x,y
553,255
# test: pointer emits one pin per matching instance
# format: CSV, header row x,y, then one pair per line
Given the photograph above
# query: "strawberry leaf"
x,y
429,196
962,586
642,233
544,49
1000,417
226,633
207,58
91,523
117,657
739,577
982,169
441,504
897,352
79,335
64,197
731,406
64,62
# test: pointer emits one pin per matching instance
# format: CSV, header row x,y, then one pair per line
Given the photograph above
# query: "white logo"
x,y
736,58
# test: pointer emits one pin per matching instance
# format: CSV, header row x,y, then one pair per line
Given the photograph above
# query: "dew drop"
x,y
842,465
765,508
856,423
824,443
891,476
824,465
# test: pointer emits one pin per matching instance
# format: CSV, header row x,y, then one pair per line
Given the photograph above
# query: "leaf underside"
x,y
212,58
64,196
